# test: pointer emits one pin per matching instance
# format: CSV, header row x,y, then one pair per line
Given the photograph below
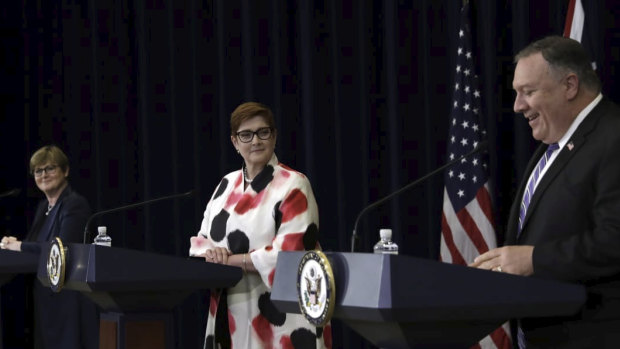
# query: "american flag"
x,y
467,228
580,25
575,18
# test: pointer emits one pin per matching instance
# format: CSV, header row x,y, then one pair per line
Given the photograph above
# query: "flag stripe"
x,y
484,199
467,225
459,235
569,18
460,250
453,252
575,18
471,229
484,219
500,337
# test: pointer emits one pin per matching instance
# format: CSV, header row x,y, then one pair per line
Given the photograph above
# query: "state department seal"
x,y
316,290
56,265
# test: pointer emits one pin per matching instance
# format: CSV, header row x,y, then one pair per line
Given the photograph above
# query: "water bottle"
x,y
102,238
386,245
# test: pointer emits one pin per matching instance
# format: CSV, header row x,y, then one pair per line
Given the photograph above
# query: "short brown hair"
x,y
564,55
247,111
51,154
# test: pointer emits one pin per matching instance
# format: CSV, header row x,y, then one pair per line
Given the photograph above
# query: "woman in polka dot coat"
x,y
255,212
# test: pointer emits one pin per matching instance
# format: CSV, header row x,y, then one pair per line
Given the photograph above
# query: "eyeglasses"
x,y
246,136
49,170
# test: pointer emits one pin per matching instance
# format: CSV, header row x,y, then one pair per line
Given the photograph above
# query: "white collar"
x,y
578,120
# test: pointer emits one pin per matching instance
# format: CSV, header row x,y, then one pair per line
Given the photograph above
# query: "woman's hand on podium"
x,y
217,255
11,243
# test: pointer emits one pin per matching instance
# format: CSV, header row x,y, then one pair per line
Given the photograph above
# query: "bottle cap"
x,y
102,230
385,234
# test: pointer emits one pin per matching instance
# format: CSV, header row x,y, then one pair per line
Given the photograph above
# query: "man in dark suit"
x,y
565,220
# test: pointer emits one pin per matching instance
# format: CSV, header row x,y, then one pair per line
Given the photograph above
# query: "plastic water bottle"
x,y
102,238
386,245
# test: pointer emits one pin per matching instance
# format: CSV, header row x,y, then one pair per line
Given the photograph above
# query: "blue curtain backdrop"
x,y
139,93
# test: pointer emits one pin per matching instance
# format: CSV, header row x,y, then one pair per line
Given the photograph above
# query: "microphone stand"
x,y
354,236
148,202
12,192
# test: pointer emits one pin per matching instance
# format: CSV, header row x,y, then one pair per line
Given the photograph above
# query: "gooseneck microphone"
x,y
12,192
126,207
481,146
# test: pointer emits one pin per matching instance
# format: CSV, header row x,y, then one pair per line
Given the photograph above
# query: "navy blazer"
x,y
573,222
66,220
64,320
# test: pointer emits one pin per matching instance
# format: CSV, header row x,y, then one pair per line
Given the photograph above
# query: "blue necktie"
x,y
521,338
527,196
529,190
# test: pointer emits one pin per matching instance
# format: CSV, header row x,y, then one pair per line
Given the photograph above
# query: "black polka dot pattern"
x,y
277,215
218,226
238,242
269,311
303,338
319,332
262,179
221,188
311,236
209,342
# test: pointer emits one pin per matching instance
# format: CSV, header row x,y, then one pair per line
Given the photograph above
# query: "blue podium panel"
x,y
398,301
12,263
124,280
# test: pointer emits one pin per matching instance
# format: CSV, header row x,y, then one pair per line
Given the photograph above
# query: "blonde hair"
x,y
51,154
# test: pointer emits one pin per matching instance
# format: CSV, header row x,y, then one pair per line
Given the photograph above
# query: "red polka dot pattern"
x,y
239,179
293,242
294,204
276,212
232,326
263,329
248,202
272,274
233,199
213,304
285,342
327,336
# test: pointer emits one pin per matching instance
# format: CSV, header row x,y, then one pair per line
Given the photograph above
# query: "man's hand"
x,y
508,259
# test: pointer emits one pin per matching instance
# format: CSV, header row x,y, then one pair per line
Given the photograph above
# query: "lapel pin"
x,y
570,145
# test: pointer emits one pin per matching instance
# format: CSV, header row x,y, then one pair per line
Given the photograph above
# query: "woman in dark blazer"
x,y
66,319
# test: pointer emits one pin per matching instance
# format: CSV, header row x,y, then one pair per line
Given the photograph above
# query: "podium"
x,y
397,301
136,290
12,263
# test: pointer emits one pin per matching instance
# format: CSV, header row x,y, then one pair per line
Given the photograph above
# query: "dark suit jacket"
x,y
66,319
574,223
66,220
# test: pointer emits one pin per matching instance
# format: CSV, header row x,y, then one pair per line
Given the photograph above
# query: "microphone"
x,y
481,146
126,207
12,192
